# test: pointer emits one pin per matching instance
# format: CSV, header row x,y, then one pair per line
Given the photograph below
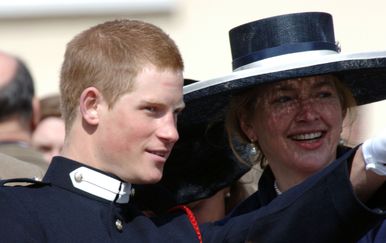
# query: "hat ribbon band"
x,y
282,50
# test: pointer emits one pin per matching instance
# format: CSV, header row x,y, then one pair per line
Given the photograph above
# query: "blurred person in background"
x,y
11,167
48,137
19,111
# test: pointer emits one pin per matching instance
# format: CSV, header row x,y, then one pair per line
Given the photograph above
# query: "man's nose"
x,y
168,129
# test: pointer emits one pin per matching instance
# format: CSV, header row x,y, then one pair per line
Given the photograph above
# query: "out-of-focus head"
x,y
16,90
48,137
8,69
50,106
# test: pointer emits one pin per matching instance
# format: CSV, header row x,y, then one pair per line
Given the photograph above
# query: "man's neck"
x,y
13,131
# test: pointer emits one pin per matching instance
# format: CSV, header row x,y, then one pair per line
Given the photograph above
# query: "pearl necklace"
x,y
277,190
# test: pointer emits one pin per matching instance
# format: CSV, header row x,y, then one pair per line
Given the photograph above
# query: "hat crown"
x,y
283,34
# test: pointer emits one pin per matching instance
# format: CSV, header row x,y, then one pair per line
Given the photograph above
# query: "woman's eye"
x,y
283,99
324,94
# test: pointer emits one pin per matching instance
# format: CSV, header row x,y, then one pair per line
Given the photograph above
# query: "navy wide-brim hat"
x,y
285,47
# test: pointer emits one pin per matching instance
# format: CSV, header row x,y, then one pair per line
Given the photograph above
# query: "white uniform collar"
x,y
100,185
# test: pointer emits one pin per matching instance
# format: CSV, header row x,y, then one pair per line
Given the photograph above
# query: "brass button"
x,y
118,224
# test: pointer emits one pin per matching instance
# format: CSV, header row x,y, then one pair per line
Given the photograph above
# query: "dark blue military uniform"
x,y
56,211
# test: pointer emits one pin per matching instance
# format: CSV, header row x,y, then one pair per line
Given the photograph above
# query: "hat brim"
x,y
363,73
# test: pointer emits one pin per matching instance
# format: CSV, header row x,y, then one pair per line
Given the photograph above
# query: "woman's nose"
x,y
307,111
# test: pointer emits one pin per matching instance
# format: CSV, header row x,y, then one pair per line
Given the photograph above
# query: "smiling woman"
x,y
285,103
295,123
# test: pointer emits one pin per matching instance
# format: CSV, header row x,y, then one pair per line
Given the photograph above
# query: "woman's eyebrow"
x,y
324,83
283,87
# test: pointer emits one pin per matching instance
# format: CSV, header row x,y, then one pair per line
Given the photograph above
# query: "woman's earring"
x,y
252,151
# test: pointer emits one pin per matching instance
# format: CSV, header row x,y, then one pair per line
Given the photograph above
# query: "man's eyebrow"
x,y
154,102
149,102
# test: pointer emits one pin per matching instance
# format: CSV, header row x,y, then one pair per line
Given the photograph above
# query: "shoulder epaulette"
x,y
22,182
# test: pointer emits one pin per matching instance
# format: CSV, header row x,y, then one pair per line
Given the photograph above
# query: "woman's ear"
x,y
89,101
247,128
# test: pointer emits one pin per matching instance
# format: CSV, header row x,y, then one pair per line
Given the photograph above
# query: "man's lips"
x,y
159,153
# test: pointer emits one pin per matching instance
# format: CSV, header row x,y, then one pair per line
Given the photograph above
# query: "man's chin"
x,y
152,179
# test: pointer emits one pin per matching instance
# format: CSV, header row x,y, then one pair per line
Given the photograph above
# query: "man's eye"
x,y
45,148
151,108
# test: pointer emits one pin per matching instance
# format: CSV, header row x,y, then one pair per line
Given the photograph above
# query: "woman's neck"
x,y
285,178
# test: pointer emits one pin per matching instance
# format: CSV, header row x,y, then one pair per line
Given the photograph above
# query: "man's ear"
x,y
89,101
36,113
